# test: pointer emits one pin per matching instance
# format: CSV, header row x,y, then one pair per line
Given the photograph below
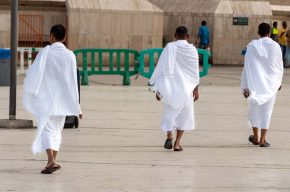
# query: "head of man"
x,y
264,30
203,23
181,33
284,24
275,24
57,33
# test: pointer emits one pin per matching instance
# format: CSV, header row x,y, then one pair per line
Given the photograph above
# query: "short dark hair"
x,y
284,24
181,32
203,23
264,29
58,31
275,24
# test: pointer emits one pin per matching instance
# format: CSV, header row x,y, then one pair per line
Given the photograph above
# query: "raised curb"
x,y
16,124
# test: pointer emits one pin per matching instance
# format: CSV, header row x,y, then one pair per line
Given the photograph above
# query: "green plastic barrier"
x,y
152,55
118,61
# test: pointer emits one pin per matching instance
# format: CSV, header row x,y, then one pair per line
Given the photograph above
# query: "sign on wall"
x,y
240,21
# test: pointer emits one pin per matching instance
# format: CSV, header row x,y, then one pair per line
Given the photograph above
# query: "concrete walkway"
x,y
118,146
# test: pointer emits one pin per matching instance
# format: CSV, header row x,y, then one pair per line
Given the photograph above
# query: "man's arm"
x,y
76,80
158,96
244,81
246,93
282,33
244,85
195,93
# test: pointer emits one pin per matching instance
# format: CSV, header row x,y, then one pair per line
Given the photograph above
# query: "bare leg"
x,y
54,155
50,157
169,135
263,136
256,134
51,165
178,138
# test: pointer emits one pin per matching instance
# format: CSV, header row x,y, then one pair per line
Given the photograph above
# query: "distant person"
x,y
275,31
203,36
260,82
51,94
175,81
283,39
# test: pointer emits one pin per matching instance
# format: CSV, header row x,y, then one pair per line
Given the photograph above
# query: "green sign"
x,y
240,21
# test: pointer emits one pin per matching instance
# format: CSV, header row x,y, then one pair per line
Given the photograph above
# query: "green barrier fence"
x,y
117,62
108,62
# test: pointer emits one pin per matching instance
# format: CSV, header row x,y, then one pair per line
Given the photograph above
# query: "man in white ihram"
x,y
175,81
260,82
51,94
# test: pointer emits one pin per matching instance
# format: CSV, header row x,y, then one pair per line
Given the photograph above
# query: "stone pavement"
x,y
118,147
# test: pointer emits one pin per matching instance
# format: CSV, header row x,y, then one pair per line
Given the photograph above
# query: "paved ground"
x,y
119,145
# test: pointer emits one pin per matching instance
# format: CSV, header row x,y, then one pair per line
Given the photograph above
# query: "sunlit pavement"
x,y
119,146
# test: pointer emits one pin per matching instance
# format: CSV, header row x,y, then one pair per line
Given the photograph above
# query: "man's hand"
x,y
158,96
195,94
246,93
81,115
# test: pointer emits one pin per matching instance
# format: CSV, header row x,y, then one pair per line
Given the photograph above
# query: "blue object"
x,y
244,51
203,34
4,53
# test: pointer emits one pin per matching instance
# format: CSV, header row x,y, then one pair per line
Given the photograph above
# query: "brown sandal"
x,y
51,169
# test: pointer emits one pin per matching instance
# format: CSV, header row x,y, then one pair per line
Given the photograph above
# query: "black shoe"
x,y
168,144
266,144
251,139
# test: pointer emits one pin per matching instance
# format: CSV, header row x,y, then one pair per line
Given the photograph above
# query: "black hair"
x,y
203,23
275,24
284,24
264,29
58,31
181,32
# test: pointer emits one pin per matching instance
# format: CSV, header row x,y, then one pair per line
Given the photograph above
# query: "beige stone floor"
x,y
118,147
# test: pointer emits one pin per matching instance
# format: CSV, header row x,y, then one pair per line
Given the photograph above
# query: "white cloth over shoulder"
x,y
263,70
176,73
50,86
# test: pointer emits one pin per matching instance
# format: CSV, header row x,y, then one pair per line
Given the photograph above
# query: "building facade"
x,y
142,24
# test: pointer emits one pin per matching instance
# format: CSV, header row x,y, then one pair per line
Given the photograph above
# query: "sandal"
x,y
266,144
57,166
178,149
251,139
51,169
168,144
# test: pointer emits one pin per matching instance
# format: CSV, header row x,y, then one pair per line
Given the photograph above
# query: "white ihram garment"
x,y
175,77
51,93
262,75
